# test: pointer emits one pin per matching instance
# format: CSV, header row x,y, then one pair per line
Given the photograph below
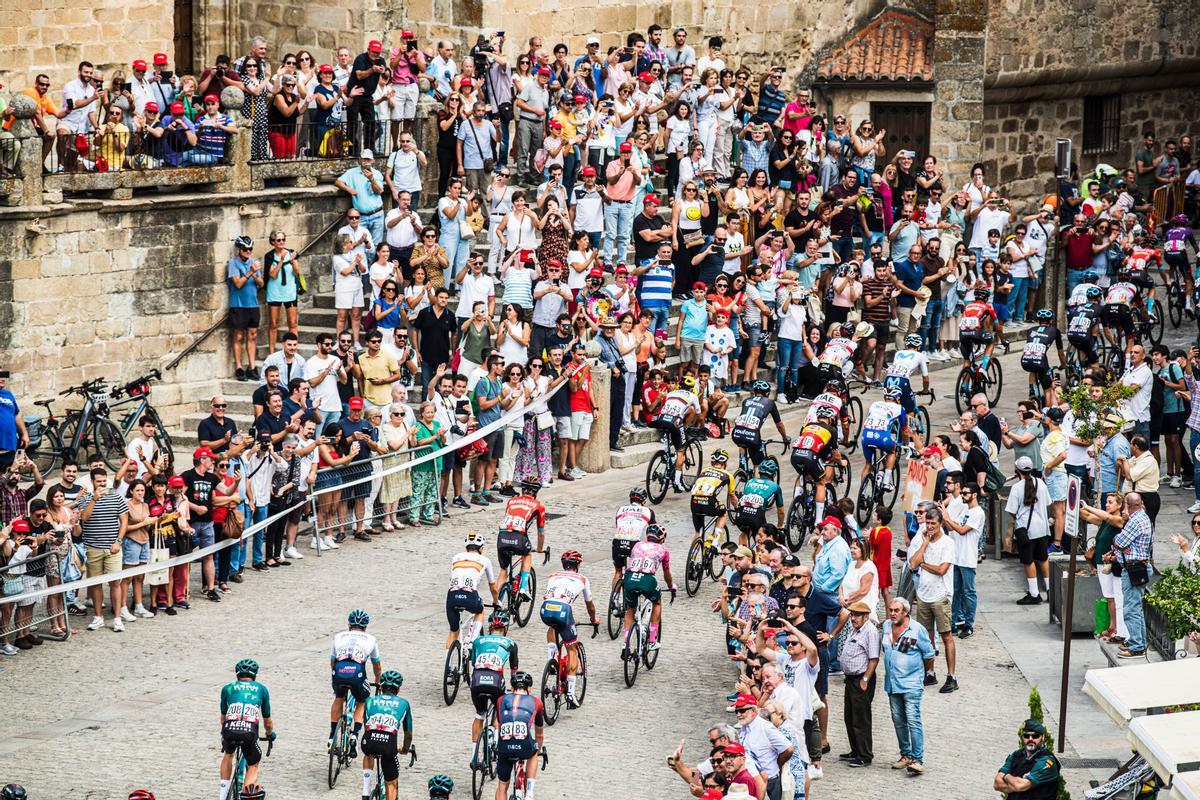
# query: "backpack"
x,y
993,479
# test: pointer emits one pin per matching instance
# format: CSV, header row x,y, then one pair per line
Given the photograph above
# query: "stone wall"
x,y
115,288
958,54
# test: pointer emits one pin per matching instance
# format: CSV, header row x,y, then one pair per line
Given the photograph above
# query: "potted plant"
x,y
1177,597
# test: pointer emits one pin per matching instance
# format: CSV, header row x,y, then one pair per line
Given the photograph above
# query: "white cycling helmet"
x,y
474,539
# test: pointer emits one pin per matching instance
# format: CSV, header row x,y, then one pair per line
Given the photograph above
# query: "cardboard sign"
x,y
919,483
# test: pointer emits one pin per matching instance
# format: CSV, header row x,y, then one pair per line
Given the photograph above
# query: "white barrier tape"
x,y
254,528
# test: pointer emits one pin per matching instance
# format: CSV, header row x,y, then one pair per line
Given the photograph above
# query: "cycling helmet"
x,y
688,382
498,619
768,469
637,494
521,680
15,791
836,385
1179,219
252,791
656,533
392,679
826,414
846,329
531,487
247,666
892,394
136,794
1090,276
760,387
473,539
1044,315
244,242
983,295
1093,293
441,786
1152,241
571,559
1118,184
719,456
359,618
912,340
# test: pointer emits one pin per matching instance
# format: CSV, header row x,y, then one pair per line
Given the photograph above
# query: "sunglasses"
x,y
280,240
356,216
397,414
220,405
222,464
1031,735
535,366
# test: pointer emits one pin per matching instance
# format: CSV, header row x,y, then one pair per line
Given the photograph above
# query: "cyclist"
x,y
1117,314
712,494
348,660
1079,293
747,426
813,452
757,496
1035,355
906,361
440,786
467,569
520,513
681,407
837,358
978,326
136,794
1176,240
561,590
516,714
885,424
387,714
1083,326
640,579
631,527
1144,257
489,654
243,704
835,395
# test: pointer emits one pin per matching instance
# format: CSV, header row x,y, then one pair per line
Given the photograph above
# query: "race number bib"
x,y
383,723
492,661
514,730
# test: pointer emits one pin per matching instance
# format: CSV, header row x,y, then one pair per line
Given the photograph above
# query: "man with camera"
x,y
492,64
406,64
359,90
14,501
217,77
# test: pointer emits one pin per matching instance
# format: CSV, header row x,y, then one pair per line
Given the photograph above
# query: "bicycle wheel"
x,y
993,382
479,771
550,697
581,678
632,655
66,435
1154,322
739,481
888,496
650,657
865,506
794,523
451,674
616,608
693,462
658,478
694,567
108,442
163,440
920,422
854,410
48,451
335,754
1175,304
964,387
239,775
716,568
524,606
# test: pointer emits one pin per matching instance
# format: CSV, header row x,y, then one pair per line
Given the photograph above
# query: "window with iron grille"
x,y
1101,123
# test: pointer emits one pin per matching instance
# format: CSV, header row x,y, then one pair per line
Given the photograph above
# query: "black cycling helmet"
x,y
245,242
13,791
521,680
252,791
531,487
1044,315
1093,293
638,494
983,295
760,387
836,385
247,666
440,785
768,469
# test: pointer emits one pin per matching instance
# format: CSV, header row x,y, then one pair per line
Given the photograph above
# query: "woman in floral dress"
x,y
556,233
427,435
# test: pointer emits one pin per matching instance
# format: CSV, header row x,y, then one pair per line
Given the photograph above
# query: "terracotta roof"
x,y
894,46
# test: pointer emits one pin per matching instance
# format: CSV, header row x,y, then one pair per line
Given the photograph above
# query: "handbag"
x,y
368,320
301,281
1139,572
545,421
235,523
12,585
540,158
693,238
465,231
158,554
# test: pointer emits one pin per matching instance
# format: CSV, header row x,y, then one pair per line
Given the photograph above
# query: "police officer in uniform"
x,y
1030,772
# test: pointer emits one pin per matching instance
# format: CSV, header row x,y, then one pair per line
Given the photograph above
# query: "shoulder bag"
x,y
488,163
158,554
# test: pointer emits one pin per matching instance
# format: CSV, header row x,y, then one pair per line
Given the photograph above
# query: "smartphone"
x,y
167,74
412,45
127,87
774,623
500,34
69,104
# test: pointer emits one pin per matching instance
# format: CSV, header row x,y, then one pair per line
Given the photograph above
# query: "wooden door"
x,y
184,55
907,126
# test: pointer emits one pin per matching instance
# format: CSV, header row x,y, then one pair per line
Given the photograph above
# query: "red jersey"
x,y
581,398
1143,258
974,315
521,512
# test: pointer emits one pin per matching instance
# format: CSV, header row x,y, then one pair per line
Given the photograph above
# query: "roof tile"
x,y
894,46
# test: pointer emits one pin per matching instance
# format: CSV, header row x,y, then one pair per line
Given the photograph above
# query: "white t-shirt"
x,y
734,243
679,132
802,677
576,277
474,289
791,321
324,395
966,545
77,119
379,272
932,588
1142,377
986,220
853,581
360,236
1039,236
1077,454
406,171
139,451
589,209
1033,519
404,233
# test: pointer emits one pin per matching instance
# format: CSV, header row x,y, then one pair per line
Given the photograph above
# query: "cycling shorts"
x,y
485,684
872,439
558,615
1043,376
247,740
383,747
508,753
1119,316
752,441
1141,278
355,686
671,428
704,507
510,544
967,343
806,462
639,583
620,551
1179,261
908,401
461,600
1086,346
749,519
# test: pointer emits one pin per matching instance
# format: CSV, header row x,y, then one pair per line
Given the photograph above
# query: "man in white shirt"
x,y
1040,230
964,520
403,173
1139,375
443,70
713,59
324,371
991,215
359,234
587,207
142,450
793,702
402,228
475,286
933,561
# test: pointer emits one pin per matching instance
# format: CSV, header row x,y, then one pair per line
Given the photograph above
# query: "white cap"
x,y
593,40
1024,464
366,154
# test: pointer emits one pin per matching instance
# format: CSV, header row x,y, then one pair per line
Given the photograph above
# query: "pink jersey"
x,y
645,557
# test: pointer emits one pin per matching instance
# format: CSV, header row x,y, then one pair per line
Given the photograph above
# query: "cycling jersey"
x,y
646,558
243,705
757,496
1144,258
519,715
838,352
754,413
1082,320
1034,356
905,362
384,716
521,512
350,652
675,408
1079,294
467,569
1177,240
812,449
884,415
566,586
492,652
714,484
971,324
1121,293
632,521
824,400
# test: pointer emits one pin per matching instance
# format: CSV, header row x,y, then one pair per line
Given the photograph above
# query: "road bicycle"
x,y
239,768
746,469
137,394
704,555
918,421
341,753
801,514
516,787
1176,296
520,608
637,650
660,472
53,440
457,669
556,672
379,786
854,417
1037,393
973,379
483,756
873,491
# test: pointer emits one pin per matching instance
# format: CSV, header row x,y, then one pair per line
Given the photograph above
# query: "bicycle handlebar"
x,y
87,387
270,740
595,626
927,392
153,375
545,757
545,551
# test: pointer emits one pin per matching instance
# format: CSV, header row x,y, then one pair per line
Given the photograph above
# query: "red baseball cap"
x,y
202,452
554,262
375,46
831,520
407,34
743,700
621,269
466,82
700,285
324,68
646,77
626,147
711,794
931,450
152,106
160,59
651,200
580,98
595,272
211,98
20,526
734,749
544,72
139,66
555,124
589,171
721,313
176,481
177,108
355,402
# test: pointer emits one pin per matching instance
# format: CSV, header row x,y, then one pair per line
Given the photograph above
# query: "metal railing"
x,y
302,141
24,619
129,147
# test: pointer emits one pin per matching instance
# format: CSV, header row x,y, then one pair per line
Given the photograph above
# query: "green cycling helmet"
x,y
359,618
247,666
392,679
441,786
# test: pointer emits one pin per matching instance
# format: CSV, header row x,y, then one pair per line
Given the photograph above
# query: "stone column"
x,y
956,134
594,457
425,134
29,161
238,151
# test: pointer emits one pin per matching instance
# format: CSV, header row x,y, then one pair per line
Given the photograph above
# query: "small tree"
x,y
1091,415
1036,712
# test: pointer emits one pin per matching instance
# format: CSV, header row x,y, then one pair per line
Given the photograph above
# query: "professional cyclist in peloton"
x,y
758,495
835,396
977,327
348,657
1035,356
467,570
640,579
813,452
387,714
440,786
1083,326
520,719
1079,293
907,360
681,407
1144,257
244,703
885,426
521,512
631,527
747,426
561,590
1175,242
837,358
1120,300
489,655
712,494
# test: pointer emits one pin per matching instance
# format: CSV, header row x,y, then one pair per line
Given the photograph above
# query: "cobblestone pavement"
x,y
107,713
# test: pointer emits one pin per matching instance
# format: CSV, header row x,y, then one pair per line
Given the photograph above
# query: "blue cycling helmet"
x,y
1093,293
440,785
247,666
892,394
760,387
13,791
392,679
359,618
1090,276
768,468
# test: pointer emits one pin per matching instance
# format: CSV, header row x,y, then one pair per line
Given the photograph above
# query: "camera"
x,y
458,430
482,45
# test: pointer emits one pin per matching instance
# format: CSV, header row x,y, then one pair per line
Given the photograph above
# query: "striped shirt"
x,y
101,528
656,286
1133,542
1193,385
872,288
